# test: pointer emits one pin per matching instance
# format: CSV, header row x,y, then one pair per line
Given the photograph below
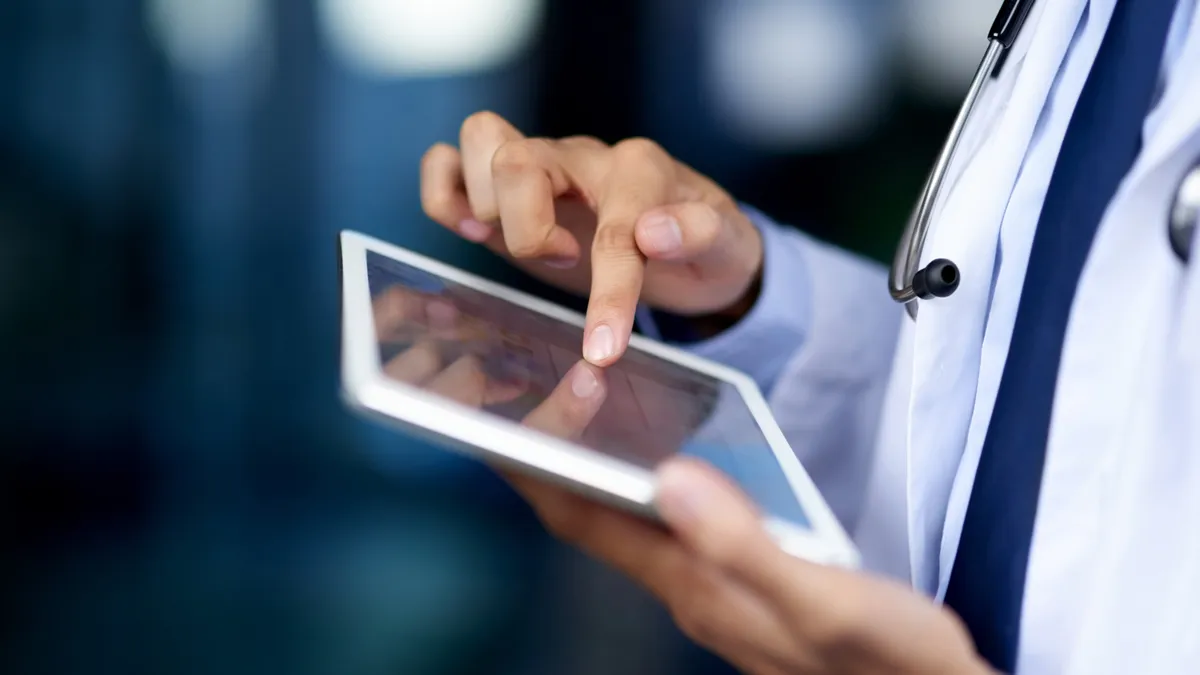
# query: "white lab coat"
x,y
1113,584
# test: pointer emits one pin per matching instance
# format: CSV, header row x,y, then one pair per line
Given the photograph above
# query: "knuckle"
x,y
515,157
480,125
613,300
584,142
640,148
722,202
610,304
615,241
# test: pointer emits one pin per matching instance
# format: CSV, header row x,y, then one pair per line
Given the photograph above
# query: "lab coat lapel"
x,y
949,331
1112,573
1111,581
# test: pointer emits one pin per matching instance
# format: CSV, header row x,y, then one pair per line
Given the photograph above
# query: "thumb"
x,y
720,524
693,232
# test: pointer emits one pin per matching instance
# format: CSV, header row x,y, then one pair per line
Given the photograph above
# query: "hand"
x,y
621,223
726,582
734,591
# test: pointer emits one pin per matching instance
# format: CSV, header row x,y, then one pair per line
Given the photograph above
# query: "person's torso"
x,y
1116,543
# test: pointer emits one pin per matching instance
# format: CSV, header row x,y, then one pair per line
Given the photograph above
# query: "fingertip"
x,y
681,471
603,345
586,383
690,492
475,230
443,202
683,494
569,409
715,521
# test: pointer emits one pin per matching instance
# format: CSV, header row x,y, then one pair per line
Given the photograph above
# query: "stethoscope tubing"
x,y
907,280
908,253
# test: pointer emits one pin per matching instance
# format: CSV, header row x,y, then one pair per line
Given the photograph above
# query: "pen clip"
x,y
1009,21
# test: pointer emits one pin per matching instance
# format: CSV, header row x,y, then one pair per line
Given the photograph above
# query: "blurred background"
x,y
181,490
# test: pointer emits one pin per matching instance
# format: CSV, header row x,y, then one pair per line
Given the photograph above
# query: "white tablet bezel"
x,y
613,481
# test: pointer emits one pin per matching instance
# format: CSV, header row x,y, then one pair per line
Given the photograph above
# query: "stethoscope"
x,y
908,281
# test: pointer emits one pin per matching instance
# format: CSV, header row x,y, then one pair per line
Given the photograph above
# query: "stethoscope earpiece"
x,y
938,279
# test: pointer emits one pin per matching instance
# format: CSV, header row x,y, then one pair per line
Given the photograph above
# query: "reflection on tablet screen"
x,y
654,408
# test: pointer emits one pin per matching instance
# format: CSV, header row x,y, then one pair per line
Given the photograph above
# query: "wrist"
x,y
715,323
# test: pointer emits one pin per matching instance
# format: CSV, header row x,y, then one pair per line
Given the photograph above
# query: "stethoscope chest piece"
x,y
1185,214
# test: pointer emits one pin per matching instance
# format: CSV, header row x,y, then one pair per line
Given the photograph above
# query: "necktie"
x,y
987,580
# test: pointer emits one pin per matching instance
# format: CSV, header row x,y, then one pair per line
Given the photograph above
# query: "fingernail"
x,y
562,263
682,497
583,382
600,345
474,230
662,235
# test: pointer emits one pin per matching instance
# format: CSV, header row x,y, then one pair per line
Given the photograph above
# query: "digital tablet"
x,y
660,401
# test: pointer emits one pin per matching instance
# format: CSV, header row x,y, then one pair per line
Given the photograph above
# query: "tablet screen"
x,y
655,408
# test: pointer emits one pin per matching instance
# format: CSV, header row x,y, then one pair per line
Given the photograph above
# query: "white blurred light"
x,y
207,35
429,37
795,72
944,41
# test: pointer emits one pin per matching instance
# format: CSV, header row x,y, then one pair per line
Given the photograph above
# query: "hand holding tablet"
x,y
468,363
495,373
626,224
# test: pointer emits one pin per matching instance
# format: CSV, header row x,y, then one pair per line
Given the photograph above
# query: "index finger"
x,y
529,175
570,408
639,181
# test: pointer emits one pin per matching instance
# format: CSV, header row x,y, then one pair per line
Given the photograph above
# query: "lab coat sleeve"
x,y
820,343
